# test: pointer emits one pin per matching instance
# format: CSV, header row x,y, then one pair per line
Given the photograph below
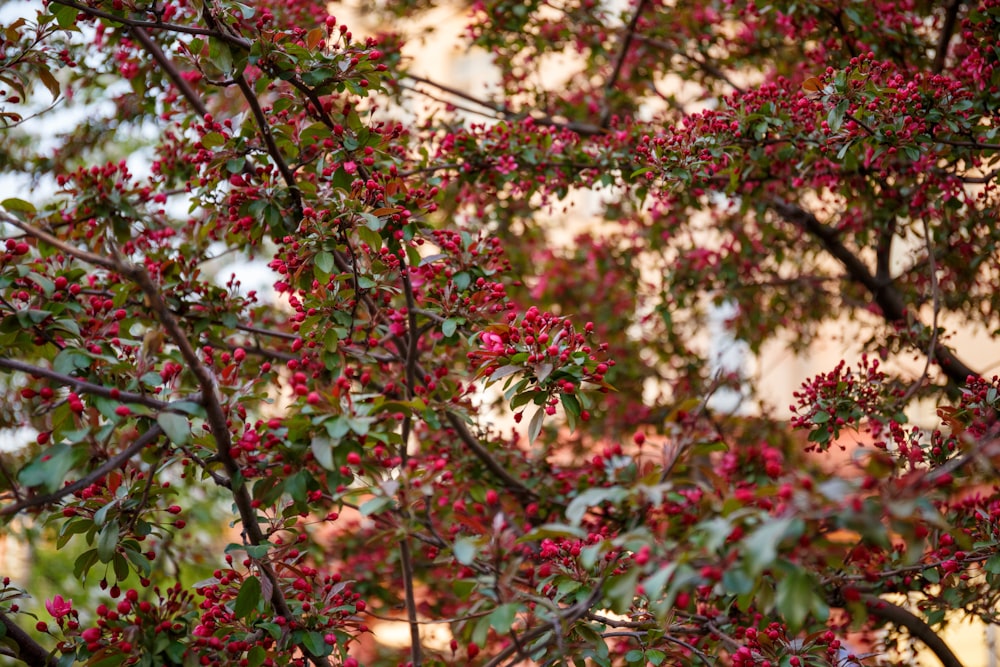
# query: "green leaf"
x,y
591,498
315,644
798,595
535,427
177,427
503,617
248,598
503,372
322,449
49,469
992,565
622,590
139,560
655,657
107,541
449,326
550,530
68,361
324,262
462,280
84,562
465,550
836,116
463,588
220,55
761,546
375,505
736,581
213,140
65,15
15,205
256,656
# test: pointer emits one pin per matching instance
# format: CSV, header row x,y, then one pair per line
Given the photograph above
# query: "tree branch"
x,y
886,296
116,461
413,339
566,616
514,485
154,25
917,627
83,386
29,651
42,235
705,66
216,415
620,61
272,147
167,66
583,129
944,39
936,298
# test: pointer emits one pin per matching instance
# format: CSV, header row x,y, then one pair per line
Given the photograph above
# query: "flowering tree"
x,y
807,163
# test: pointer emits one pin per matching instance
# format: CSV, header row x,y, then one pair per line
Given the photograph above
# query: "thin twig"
x,y
900,617
168,66
583,129
514,485
704,65
113,463
272,146
944,39
29,651
690,647
413,339
216,415
83,386
887,297
566,616
616,72
936,299
155,25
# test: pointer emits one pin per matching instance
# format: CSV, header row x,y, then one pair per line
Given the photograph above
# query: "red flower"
x,y
59,607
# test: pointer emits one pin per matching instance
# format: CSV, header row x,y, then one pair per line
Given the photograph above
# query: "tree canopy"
x,y
259,477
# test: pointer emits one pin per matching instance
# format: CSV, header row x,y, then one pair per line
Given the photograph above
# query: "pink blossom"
x,y
492,342
59,607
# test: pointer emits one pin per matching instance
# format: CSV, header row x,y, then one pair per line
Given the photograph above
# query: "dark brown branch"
x,y
216,415
837,19
887,297
944,39
936,298
154,25
272,147
583,129
261,119
968,144
566,616
981,180
883,254
412,339
29,651
116,461
514,485
705,66
168,66
917,627
83,386
616,72
42,235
